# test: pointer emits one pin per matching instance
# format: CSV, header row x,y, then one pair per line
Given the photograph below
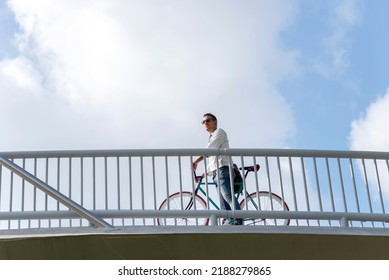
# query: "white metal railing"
x,y
114,188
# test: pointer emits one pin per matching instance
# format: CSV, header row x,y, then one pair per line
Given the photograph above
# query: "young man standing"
x,y
218,166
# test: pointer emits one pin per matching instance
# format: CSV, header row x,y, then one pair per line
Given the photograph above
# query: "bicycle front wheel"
x,y
264,201
183,201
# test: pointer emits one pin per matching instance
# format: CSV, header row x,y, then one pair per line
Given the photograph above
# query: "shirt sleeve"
x,y
218,138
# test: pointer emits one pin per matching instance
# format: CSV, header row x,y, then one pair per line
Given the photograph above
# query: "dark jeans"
x,y
225,190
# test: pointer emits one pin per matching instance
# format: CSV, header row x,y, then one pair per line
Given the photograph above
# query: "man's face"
x,y
209,124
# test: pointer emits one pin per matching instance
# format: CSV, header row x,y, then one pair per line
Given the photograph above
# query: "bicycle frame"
x,y
237,194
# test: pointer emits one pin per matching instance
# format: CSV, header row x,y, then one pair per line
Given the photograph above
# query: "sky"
x,y
98,74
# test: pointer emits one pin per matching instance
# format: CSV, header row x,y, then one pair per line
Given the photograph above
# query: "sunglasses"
x,y
206,121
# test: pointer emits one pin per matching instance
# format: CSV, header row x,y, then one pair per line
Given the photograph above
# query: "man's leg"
x,y
225,189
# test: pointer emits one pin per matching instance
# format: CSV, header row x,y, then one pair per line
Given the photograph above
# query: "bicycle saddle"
x,y
251,168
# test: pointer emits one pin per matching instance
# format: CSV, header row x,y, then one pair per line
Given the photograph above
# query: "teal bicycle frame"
x,y
210,200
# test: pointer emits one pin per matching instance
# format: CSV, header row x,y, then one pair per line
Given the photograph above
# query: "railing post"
x,y
344,222
213,220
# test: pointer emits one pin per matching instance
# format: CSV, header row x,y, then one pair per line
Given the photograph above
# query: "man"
x,y
218,166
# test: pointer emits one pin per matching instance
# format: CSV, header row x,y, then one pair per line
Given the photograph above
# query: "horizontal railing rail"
x,y
115,188
342,217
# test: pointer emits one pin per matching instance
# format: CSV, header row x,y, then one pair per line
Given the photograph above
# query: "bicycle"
x,y
260,200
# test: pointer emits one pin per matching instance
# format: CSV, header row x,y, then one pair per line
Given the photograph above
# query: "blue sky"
x,y
140,74
326,104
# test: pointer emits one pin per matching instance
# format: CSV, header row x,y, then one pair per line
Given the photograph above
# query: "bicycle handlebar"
x,y
197,177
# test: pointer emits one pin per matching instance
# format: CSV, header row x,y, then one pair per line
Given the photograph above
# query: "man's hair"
x,y
210,115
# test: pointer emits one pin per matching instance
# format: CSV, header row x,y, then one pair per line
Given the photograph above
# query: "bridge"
x,y
310,204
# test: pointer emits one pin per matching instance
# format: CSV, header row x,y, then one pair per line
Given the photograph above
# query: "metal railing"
x,y
116,188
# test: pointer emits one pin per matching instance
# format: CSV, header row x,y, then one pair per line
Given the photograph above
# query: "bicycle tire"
x,y
267,202
180,201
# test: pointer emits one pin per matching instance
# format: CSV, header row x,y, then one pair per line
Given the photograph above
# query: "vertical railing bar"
x,y
118,181
23,190
180,176
11,195
317,186
256,185
58,186
35,188
355,187
142,186
293,185
106,182
82,184
293,182
118,184
130,185
244,186
231,182
179,172
167,183
305,186
58,183
218,182
206,184
330,187
367,185
193,187
387,167
281,180
379,189
94,182
106,185
1,184
70,185
367,188
342,184
281,183
269,182
154,185
194,191
270,188
47,182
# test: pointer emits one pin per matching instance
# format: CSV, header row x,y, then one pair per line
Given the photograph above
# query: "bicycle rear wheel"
x,y
183,201
264,201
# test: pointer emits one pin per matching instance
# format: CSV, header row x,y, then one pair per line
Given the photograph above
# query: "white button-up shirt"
x,y
217,139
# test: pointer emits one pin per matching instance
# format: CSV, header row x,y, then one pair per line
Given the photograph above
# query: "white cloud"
x,y
345,17
348,12
370,131
21,73
130,74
